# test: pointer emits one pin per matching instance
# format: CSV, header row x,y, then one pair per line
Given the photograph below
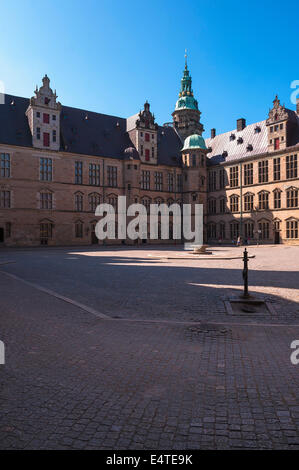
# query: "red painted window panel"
x,y
147,154
46,118
147,137
276,144
46,137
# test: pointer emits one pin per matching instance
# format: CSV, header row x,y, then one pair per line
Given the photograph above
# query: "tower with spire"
x,y
186,116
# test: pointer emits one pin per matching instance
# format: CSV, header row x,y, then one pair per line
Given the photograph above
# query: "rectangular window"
x,y
222,178
147,137
170,182
94,201
158,181
276,169
78,172
5,199
212,181
276,143
248,174
79,202
38,133
248,202
46,232
277,199
222,205
292,229
46,118
222,230
112,176
54,135
263,200
54,117
292,197
248,230
46,137
291,166
234,176
234,204
5,165
147,154
46,200
179,183
145,180
153,152
264,230
45,169
234,230
263,171
94,174
212,206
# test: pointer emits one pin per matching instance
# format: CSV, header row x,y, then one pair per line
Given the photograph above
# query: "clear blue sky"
x,y
110,56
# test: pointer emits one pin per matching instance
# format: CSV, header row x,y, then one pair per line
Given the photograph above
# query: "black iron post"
x,y
245,273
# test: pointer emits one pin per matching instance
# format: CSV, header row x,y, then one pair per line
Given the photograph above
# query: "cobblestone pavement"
x,y
73,380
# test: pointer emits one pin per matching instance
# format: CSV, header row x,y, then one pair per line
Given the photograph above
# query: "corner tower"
x,y
186,116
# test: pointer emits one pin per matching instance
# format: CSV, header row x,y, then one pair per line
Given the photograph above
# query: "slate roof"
x,y
253,135
84,132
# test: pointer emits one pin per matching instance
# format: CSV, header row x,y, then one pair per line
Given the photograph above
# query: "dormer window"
x,y
47,100
257,129
224,154
249,148
232,137
240,140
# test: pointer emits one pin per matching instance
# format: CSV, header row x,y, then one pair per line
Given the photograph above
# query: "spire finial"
x,y
185,58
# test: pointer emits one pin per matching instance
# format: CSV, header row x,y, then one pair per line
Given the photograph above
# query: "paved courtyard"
x,y
122,348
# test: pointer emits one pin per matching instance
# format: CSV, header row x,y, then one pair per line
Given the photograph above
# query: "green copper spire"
x,y
186,98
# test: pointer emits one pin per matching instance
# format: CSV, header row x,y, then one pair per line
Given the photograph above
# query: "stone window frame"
x,y
292,229
46,203
248,205
292,197
263,200
234,203
79,201
92,200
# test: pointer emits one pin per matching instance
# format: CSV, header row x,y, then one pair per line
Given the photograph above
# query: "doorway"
x,y
277,238
1,235
94,238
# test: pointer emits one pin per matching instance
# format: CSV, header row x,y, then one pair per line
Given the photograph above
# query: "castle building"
x,y
57,163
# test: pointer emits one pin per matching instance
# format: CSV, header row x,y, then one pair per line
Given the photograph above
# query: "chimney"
x,y
241,124
297,106
213,132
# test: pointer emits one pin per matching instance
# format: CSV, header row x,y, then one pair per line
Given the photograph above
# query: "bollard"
x,y
245,274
